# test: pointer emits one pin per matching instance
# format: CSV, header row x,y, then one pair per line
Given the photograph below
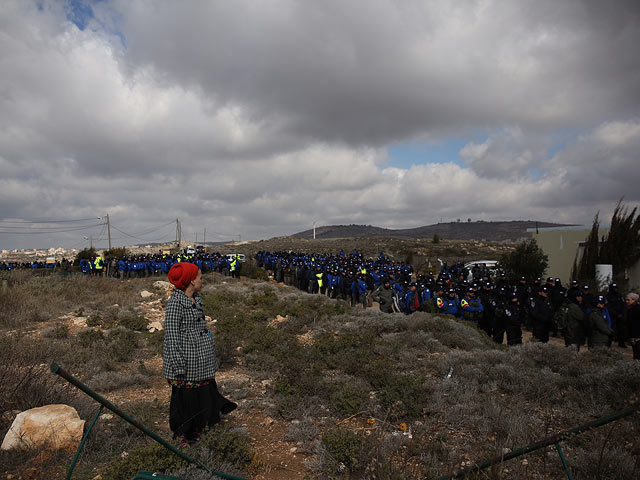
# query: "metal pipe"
x,y
545,442
55,368
84,439
564,461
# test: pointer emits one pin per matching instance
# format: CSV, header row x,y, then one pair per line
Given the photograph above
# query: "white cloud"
x,y
263,117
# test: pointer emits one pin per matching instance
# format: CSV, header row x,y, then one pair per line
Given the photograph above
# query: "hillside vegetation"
x,y
515,230
328,390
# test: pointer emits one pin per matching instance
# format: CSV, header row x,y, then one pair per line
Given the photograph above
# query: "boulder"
x,y
146,294
53,427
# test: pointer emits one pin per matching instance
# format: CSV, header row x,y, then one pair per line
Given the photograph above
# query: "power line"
x,y
140,238
48,221
43,230
53,228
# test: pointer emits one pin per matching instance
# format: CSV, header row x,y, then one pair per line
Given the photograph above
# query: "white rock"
x,y
145,294
153,326
80,321
52,426
162,286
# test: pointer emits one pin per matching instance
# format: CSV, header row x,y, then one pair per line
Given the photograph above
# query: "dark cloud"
x,y
257,119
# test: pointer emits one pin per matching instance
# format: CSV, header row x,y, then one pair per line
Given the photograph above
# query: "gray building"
x,y
564,244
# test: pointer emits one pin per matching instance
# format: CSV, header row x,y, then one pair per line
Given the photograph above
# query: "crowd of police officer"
x,y
491,302
500,308
350,277
137,266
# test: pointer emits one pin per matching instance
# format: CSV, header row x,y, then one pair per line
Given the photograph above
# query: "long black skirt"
x,y
193,409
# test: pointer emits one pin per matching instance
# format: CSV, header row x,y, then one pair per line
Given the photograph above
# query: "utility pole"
x,y
109,231
178,232
204,242
314,230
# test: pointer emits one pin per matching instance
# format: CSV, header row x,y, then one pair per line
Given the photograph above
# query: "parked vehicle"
x,y
486,266
239,256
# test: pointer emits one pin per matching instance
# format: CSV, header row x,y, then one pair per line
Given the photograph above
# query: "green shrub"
x,y
403,395
154,341
58,331
121,344
94,320
153,458
348,398
343,448
110,381
134,322
265,299
86,338
226,446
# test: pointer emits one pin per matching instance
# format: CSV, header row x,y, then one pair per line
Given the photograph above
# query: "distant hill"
x,y
515,230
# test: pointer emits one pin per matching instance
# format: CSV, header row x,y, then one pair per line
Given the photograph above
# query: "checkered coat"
x,y
189,352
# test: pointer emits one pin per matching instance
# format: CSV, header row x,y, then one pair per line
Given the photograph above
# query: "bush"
x,y
349,397
116,252
58,331
403,395
154,458
94,320
343,449
86,338
121,344
110,381
527,260
134,322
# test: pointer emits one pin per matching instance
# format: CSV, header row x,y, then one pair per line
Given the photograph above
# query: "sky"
x,y
247,120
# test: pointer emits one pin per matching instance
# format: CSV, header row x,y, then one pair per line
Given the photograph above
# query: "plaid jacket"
x,y
188,352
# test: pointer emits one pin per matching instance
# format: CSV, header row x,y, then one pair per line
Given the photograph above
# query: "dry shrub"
x,y
110,381
29,293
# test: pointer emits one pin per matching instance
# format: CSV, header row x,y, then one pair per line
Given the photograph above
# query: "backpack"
x,y
561,317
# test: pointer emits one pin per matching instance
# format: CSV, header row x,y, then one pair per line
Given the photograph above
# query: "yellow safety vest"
x,y
319,277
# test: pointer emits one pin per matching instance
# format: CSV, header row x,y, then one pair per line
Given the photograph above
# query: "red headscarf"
x,y
182,274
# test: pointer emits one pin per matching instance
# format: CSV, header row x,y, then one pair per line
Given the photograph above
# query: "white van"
x,y
190,250
240,256
490,265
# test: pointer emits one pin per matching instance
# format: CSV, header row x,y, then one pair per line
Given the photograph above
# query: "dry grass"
x,y
385,374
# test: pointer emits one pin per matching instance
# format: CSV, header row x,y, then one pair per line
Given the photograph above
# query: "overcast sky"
x,y
255,119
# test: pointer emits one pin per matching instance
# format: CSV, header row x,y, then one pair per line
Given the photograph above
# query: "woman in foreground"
x,y
189,359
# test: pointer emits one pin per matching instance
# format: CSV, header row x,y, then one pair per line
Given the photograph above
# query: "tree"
x,y
115,253
526,260
620,248
585,269
86,254
436,238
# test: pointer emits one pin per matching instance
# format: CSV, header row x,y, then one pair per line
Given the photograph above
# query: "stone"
x,y
146,294
79,321
155,326
162,286
53,427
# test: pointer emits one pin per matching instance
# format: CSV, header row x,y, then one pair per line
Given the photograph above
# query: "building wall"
x,y
561,247
634,278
